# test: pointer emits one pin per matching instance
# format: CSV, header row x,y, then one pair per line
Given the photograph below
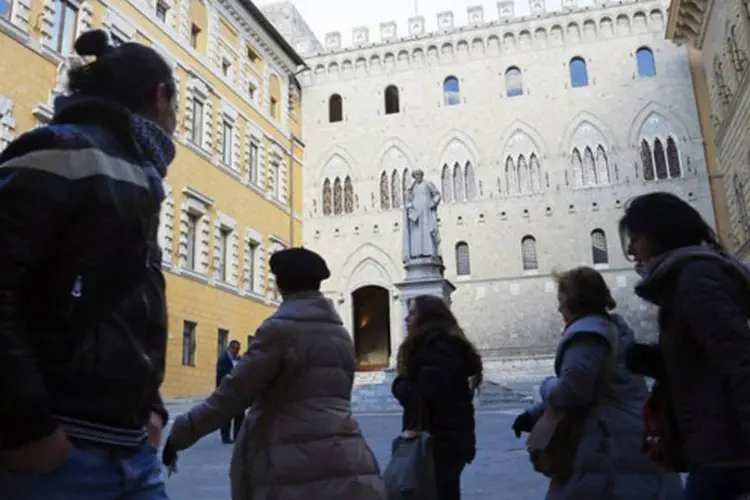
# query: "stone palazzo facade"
x,y
536,130
720,29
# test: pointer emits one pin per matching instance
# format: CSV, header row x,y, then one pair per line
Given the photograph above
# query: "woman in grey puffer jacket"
x,y
609,463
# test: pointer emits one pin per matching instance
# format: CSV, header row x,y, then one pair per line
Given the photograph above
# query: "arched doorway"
x,y
372,327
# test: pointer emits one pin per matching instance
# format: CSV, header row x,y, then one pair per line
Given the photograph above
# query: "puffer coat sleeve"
x,y
237,391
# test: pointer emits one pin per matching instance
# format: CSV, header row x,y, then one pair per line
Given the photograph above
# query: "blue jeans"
x,y
93,472
717,483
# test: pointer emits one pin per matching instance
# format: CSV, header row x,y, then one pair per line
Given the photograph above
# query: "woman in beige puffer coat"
x,y
300,440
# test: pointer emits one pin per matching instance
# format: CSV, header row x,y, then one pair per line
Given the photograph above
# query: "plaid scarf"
x,y
158,151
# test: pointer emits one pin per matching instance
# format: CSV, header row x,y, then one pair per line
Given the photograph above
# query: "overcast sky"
x,y
324,16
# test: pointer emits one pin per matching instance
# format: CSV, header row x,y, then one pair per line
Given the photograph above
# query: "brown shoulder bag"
x,y
553,442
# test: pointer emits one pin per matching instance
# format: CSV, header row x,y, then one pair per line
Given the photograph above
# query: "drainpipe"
x,y
292,139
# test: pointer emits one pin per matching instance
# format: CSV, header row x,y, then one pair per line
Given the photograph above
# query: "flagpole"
x,y
416,7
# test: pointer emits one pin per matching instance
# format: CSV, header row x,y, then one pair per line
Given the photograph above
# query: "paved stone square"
x,y
500,471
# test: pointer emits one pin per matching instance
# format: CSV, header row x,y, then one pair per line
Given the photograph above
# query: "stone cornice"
x,y
688,20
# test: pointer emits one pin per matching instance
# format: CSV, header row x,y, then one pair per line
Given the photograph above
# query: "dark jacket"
x,y
82,296
437,374
704,347
224,366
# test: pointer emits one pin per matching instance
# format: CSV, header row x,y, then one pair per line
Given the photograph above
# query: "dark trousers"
x,y
448,471
718,483
229,434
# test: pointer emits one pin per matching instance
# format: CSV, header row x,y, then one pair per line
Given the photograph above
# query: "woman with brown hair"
x,y
439,370
589,376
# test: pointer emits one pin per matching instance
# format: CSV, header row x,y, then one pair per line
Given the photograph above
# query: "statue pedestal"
x,y
424,276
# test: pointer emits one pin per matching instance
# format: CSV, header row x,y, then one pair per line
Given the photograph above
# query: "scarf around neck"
x,y
157,151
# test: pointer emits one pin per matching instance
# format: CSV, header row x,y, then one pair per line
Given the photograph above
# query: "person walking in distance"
x,y
224,366
83,322
439,371
701,362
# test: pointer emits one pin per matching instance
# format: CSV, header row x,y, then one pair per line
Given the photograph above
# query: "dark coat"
x,y
704,347
224,366
438,374
83,320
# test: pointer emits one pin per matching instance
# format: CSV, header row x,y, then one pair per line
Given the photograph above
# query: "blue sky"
x,y
342,15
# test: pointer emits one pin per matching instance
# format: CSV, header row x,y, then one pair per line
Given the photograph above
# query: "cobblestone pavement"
x,y
500,471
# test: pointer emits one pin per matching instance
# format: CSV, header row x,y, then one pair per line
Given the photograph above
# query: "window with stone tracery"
x,y
535,170
523,177
528,253
337,197
470,182
463,263
602,166
327,197
446,181
660,160
511,180
589,167
405,183
396,195
648,161
459,193
577,165
673,158
385,197
348,195
599,253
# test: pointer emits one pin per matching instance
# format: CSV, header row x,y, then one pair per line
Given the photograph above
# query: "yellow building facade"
x,y
234,192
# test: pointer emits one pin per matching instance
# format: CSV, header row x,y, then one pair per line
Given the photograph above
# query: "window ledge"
x,y
194,275
601,267
254,296
14,31
531,272
463,277
227,287
197,149
230,171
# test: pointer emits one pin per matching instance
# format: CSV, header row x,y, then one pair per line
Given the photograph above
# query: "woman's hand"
x,y
523,423
169,456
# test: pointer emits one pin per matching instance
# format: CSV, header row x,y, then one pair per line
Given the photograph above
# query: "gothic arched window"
x,y
673,158
644,58
463,263
511,184
405,183
469,182
327,197
335,109
648,161
524,179
602,166
337,197
577,164
536,174
396,194
446,181
528,253
589,167
385,197
458,184
348,195
660,160
599,254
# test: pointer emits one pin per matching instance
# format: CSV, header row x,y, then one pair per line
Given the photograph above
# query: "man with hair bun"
x,y
83,319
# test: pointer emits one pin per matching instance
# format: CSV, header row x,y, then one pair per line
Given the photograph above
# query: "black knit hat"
x,y
298,269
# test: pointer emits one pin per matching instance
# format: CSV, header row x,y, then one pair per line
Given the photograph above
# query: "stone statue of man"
x,y
421,238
